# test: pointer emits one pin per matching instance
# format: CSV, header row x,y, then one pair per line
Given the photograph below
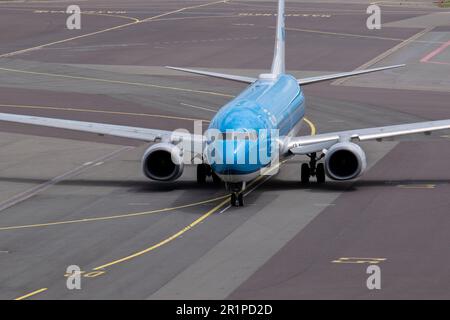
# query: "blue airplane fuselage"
x,y
272,104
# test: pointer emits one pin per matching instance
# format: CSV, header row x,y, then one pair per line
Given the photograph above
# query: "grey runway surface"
x,y
69,198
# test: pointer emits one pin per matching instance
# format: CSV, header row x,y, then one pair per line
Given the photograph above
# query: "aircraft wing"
x,y
144,134
343,75
316,143
217,75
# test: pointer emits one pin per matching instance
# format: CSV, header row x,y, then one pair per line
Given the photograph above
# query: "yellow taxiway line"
x,y
170,238
167,240
14,53
190,226
135,214
119,216
31,294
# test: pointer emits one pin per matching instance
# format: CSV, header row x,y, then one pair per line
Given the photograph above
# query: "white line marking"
x,y
197,107
44,186
225,209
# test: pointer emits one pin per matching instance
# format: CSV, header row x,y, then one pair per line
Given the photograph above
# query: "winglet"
x,y
278,65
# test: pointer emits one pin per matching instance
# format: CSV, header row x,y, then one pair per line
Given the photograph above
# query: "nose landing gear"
x,y
313,169
237,194
237,199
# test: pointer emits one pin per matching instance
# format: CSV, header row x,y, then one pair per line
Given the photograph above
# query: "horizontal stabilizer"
x,y
217,75
343,75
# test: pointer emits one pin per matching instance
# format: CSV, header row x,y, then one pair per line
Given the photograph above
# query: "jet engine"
x,y
345,161
163,162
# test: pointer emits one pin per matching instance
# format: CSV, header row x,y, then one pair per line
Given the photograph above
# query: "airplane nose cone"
x,y
231,157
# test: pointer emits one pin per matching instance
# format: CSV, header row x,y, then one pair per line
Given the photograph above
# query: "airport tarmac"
x,y
69,198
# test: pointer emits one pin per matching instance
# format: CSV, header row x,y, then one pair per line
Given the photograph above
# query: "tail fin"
x,y
278,66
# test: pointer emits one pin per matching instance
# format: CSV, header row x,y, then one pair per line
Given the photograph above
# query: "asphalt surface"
x,y
69,198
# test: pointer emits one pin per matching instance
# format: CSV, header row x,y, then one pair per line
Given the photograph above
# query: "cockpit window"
x,y
239,135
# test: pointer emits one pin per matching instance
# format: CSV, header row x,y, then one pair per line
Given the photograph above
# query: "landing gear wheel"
x,y
305,173
320,173
241,199
201,173
233,200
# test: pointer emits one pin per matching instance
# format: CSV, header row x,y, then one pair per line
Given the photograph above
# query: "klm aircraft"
x,y
273,101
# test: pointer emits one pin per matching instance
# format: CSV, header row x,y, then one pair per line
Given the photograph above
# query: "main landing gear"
x,y
237,194
204,171
313,169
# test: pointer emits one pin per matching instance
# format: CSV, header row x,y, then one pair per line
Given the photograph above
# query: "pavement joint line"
x,y
387,53
108,29
18,198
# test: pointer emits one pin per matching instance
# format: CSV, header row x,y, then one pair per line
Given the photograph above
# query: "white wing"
x,y
343,75
308,144
217,75
144,134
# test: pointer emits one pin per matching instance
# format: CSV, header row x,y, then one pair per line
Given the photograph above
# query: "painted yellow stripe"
x,y
167,240
417,186
120,216
176,235
181,232
134,214
193,224
311,125
31,294
108,29
101,111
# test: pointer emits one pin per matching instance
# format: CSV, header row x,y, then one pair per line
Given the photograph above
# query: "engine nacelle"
x,y
345,161
163,162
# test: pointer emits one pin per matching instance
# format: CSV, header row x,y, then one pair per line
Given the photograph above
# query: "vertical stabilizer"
x,y
278,58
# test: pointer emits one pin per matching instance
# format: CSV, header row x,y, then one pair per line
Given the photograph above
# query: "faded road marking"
x,y
359,260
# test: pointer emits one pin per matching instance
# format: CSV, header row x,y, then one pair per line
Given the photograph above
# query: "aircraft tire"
x,y
201,174
320,173
305,173
241,199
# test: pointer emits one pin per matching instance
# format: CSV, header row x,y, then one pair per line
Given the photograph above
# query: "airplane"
x,y
272,101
